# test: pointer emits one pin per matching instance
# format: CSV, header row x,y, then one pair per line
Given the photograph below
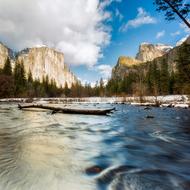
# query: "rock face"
x,y
124,63
45,61
42,62
148,52
3,54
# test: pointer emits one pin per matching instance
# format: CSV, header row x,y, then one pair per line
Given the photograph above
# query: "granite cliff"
x,y
42,62
148,52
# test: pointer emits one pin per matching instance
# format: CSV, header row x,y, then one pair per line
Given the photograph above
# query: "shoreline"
x,y
182,101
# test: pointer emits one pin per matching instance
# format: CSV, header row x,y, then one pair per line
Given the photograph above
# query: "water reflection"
x,y
41,151
34,155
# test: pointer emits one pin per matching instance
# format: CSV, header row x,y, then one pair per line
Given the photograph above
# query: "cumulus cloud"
x,y
104,70
75,27
142,18
160,34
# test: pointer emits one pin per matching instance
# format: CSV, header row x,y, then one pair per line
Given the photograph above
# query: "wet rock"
x,y
149,116
147,108
94,170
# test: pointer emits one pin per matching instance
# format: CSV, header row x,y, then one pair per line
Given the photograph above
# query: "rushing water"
x,y
41,151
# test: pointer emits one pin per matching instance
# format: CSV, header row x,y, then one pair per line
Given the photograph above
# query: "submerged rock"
x,y
94,170
149,116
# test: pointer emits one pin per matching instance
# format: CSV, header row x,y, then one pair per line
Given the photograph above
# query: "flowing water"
x,y
127,150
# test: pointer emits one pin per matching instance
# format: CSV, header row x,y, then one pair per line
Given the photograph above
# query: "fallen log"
x,y
69,110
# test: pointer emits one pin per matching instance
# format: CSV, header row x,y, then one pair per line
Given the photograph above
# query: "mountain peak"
x,y
148,51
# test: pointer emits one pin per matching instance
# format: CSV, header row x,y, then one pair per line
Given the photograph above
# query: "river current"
x,y
124,151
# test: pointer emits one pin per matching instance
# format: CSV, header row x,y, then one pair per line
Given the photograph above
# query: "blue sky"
x,y
127,42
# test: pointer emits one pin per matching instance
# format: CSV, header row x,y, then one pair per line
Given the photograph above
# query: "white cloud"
x,y
118,14
74,27
106,3
142,18
160,34
177,33
104,70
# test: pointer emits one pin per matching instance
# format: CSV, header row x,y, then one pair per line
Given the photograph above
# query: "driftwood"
x,y
69,110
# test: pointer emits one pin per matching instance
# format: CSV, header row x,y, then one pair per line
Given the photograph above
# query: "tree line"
x,y
16,83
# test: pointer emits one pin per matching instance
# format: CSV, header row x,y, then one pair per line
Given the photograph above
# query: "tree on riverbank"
x,y
7,70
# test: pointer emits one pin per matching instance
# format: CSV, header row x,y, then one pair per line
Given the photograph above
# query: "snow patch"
x,y
181,41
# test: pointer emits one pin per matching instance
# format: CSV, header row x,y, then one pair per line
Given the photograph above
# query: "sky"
x,y
92,34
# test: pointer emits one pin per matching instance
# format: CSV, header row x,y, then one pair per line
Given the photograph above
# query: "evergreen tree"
x,y
66,90
156,79
183,69
172,83
6,86
7,70
164,77
19,79
149,79
30,79
101,87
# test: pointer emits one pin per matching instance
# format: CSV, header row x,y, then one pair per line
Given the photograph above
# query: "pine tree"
x,y
183,69
172,82
156,79
101,87
7,70
19,79
30,79
164,77
66,90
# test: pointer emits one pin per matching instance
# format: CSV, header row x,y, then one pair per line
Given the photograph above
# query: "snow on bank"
x,y
181,101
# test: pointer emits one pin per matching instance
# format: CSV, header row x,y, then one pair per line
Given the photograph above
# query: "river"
x,y
123,151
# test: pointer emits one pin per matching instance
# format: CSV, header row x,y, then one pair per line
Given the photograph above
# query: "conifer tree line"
x,y
16,83
151,78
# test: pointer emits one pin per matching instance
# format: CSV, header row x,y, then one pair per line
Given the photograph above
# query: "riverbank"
x,y
182,101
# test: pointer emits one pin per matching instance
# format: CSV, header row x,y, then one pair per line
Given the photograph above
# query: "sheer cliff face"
x,y
3,55
45,61
124,63
148,52
41,62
